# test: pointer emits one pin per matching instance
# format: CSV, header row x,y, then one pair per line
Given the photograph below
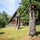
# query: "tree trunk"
x,y
32,28
17,23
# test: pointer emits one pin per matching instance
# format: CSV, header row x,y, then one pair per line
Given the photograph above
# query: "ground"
x,y
10,33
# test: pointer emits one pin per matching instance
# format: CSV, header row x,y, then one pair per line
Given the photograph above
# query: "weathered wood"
x,y
32,28
17,22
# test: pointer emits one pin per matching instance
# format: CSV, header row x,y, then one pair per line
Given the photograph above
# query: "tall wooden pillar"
x,y
32,28
17,22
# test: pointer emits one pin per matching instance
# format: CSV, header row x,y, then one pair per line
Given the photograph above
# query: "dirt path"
x,y
26,37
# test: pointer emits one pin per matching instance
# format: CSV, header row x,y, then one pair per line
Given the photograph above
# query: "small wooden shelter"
x,y
14,19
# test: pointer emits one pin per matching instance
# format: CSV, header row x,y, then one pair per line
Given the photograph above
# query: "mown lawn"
x,y
10,33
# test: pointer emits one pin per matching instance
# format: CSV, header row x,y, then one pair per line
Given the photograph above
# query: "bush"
x,y
3,19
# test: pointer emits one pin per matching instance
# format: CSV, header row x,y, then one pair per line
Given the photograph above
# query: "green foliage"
x,y
3,19
23,8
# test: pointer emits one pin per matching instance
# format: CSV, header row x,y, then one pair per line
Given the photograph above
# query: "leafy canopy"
x,y
3,19
23,8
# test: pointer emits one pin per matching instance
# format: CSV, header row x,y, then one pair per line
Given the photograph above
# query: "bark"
x,y
32,28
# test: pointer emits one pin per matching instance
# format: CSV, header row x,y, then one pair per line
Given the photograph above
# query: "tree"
x,y
23,8
6,16
3,19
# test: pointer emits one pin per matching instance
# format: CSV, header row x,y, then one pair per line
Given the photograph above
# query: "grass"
x,y
10,33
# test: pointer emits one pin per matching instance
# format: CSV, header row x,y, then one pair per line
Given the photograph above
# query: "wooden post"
x,y
17,22
32,28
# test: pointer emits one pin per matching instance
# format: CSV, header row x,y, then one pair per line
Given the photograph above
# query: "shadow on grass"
x,y
37,33
2,32
22,27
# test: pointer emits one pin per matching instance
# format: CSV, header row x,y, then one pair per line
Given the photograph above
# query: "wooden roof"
x,y
13,16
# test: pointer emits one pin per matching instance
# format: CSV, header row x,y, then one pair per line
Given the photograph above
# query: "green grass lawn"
x,y
10,33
